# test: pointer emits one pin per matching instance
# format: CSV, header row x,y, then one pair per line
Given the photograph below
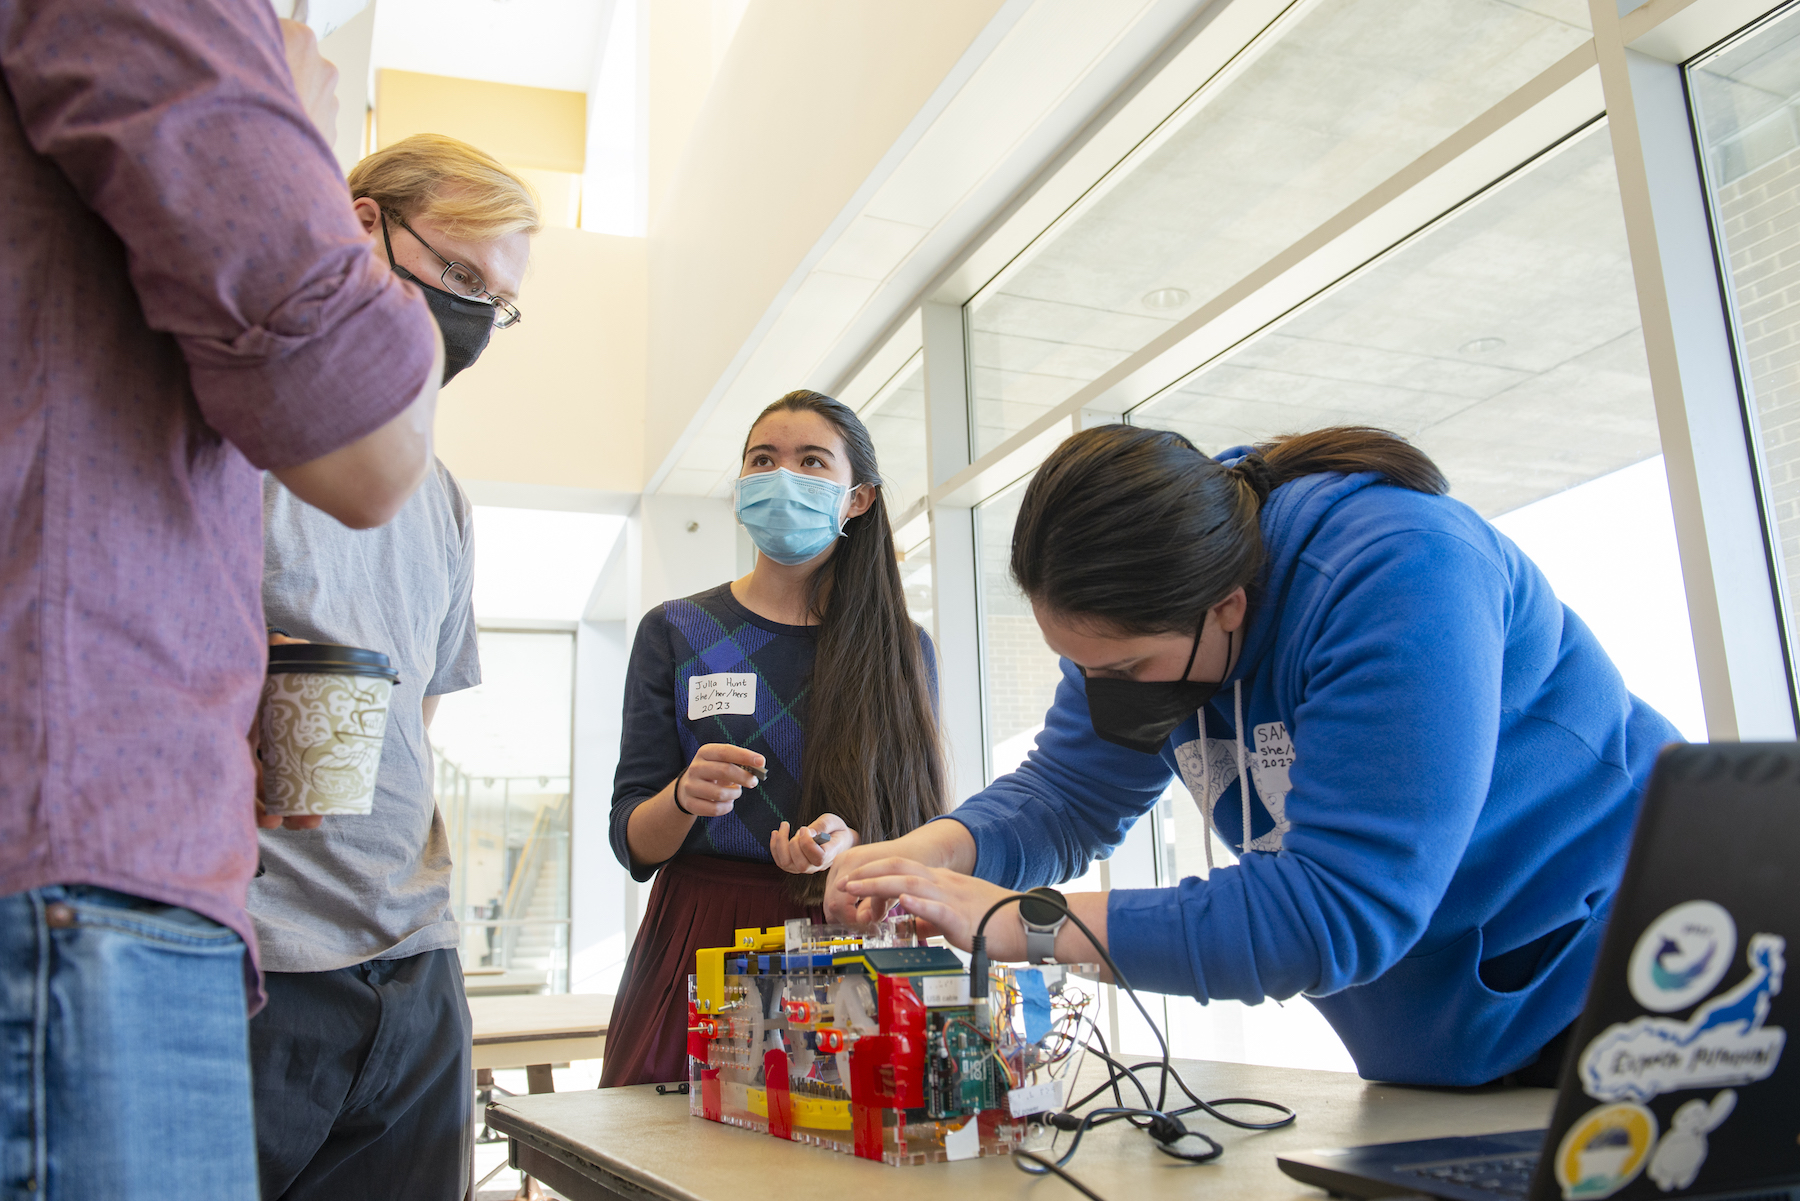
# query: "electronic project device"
x,y
863,1041
1678,1081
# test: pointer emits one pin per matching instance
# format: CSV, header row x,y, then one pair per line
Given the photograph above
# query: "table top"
x,y
547,1016
650,1141
496,982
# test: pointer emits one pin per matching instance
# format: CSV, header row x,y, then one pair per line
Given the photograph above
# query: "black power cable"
x,y
1047,1167
1118,1071
1171,1135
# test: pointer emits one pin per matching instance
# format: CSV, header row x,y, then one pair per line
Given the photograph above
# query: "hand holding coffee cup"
x,y
321,724
264,819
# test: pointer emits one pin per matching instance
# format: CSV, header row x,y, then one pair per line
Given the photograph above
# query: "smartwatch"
x,y
1042,919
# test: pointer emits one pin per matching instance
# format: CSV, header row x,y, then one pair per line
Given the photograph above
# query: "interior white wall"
x,y
677,546
765,165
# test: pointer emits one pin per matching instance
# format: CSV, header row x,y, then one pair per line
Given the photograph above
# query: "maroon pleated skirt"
x,y
697,901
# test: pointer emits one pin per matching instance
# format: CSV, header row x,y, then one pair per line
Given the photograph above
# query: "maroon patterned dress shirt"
x,y
185,297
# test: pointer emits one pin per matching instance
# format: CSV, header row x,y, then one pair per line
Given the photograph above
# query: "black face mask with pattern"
x,y
1141,714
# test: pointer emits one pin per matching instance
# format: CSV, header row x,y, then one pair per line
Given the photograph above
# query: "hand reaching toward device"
x,y
804,852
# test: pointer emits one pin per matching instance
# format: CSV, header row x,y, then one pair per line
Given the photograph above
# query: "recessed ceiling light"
x,y
1166,298
1482,345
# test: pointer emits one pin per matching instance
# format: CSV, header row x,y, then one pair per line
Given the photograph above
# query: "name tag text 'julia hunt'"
x,y
727,692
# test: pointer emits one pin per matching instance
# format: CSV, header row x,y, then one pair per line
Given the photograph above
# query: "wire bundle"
x,y
1162,1124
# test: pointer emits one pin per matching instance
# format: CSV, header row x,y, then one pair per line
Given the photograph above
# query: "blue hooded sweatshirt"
x,y
1444,766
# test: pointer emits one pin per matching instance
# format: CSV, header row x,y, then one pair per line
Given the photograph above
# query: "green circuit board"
x,y
959,1065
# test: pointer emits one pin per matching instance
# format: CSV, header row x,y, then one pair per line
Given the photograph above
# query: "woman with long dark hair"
x,y
1428,765
807,673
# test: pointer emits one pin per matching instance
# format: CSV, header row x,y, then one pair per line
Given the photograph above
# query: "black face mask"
x,y
466,324
1141,714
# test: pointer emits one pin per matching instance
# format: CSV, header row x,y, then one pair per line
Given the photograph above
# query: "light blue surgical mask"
x,y
791,518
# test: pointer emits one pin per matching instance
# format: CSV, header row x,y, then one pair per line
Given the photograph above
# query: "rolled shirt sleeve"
x,y
177,123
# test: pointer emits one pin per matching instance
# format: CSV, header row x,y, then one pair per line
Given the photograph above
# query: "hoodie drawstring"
x,y
1237,718
1206,792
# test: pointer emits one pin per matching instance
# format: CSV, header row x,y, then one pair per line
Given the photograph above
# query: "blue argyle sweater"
x,y
711,634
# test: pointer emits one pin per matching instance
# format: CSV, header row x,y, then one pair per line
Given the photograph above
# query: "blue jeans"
x,y
124,1071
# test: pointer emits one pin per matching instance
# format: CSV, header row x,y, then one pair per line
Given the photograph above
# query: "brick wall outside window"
x,y
1760,217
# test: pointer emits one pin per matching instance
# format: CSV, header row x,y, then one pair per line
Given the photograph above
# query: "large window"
x,y
1019,673
1746,98
504,748
1323,107
915,580
1505,342
895,417
503,758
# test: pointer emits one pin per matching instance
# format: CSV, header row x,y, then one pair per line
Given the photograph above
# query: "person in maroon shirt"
x,y
185,297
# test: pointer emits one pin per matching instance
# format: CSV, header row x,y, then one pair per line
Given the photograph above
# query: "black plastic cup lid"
x,y
328,658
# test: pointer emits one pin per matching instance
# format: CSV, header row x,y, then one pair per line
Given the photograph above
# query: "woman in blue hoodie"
x,y
1429,765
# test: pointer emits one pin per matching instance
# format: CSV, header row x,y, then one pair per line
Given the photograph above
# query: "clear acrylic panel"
x,y
503,786
1349,93
1505,342
1746,98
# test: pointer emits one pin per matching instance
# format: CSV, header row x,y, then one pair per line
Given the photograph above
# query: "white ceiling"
x,y
1323,110
532,43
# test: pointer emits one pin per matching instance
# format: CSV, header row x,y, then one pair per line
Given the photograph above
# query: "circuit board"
x,y
959,1065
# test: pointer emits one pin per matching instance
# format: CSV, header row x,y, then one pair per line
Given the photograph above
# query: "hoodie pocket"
x,y
1524,968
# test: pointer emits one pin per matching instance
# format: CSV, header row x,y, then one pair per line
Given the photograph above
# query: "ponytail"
x,y
873,754
1136,530
1349,449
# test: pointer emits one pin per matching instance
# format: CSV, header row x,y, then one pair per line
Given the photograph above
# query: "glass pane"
x,y
503,760
1746,98
1019,673
916,581
1505,343
896,421
1349,94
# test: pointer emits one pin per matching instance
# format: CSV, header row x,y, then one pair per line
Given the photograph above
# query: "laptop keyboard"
x,y
1506,1176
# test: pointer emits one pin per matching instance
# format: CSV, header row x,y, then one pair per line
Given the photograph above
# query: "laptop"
x,y
1678,1081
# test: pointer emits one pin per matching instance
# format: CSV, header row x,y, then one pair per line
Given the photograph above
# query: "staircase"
x,y
543,947
538,893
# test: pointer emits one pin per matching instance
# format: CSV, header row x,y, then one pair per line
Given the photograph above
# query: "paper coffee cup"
x,y
324,712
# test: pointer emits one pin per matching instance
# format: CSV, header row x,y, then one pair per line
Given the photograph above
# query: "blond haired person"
x,y
361,1060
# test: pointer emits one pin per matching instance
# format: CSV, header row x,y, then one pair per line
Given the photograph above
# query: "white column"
x,y
953,564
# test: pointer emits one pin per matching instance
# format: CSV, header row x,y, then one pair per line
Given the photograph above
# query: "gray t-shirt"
x,y
375,887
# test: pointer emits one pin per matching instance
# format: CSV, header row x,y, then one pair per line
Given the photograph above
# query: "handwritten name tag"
x,y
727,692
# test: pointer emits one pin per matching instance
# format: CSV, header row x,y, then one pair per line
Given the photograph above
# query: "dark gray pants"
x,y
362,1083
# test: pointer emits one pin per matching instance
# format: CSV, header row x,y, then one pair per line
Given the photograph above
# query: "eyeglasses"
x,y
458,278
